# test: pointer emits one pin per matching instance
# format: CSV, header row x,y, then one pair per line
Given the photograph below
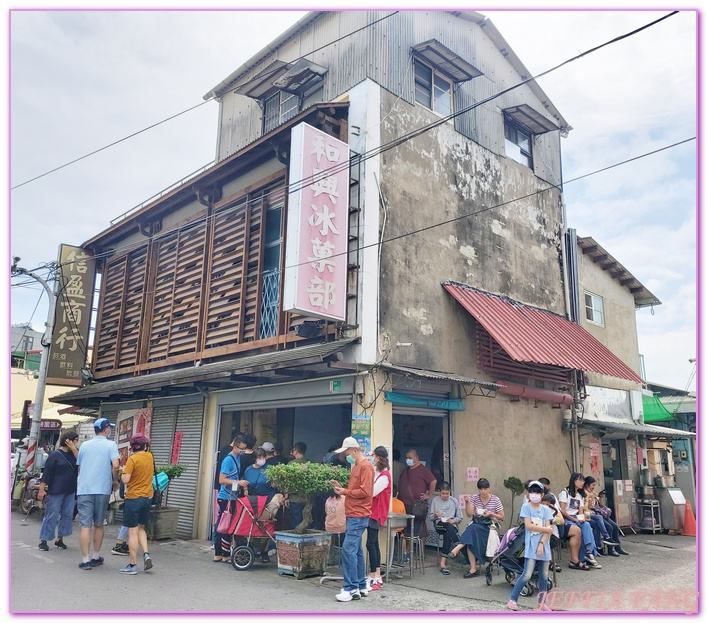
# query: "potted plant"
x,y
517,488
163,522
303,552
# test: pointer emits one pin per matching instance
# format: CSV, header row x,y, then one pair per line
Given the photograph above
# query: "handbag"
x,y
419,508
603,511
492,541
224,521
157,492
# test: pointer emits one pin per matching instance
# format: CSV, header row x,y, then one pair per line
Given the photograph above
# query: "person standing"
x,y
357,507
296,503
59,476
137,476
98,476
239,441
230,481
278,457
380,505
416,482
537,549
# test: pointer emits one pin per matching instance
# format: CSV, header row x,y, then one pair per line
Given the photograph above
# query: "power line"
x,y
481,210
29,322
192,107
299,184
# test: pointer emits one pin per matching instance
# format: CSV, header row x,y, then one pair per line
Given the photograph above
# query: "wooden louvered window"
x,y
121,311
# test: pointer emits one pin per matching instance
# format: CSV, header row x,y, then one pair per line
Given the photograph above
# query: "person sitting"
x,y
445,514
258,484
608,530
571,501
483,508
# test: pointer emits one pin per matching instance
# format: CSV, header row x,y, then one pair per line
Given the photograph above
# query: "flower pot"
x,y
163,523
302,555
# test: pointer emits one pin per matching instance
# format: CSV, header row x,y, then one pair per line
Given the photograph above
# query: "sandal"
x,y
444,570
578,565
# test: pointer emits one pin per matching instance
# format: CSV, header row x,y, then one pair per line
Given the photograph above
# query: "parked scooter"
x,y
28,495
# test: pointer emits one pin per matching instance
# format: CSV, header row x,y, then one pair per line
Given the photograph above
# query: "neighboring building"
x,y
456,339
25,347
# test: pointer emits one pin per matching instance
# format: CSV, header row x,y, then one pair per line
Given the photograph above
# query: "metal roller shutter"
x,y
162,432
182,491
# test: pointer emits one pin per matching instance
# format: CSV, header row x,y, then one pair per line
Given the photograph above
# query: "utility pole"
x,y
44,363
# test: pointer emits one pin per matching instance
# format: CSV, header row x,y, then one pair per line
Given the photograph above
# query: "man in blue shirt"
x,y
98,476
230,481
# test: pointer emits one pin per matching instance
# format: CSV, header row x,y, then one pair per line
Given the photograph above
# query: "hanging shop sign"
x,y
67,355
128,423
315,282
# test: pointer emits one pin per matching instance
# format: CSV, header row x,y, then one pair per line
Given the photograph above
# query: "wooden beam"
x,y
591,249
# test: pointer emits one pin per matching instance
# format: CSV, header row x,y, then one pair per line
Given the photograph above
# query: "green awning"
x,y
654,411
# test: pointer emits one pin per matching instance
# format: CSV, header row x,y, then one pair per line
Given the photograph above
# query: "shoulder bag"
x,y
419,508
157,493
492,540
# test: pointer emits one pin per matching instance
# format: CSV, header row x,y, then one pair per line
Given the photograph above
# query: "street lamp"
x,y
44,363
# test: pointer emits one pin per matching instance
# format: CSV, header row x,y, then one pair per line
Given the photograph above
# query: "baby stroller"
x,y
250,533
510,557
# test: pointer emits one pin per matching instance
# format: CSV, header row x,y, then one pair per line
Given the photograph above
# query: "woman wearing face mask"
x,y
258,484
379,513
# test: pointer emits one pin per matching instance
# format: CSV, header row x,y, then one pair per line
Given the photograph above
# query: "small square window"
x,y
518,144
278,108
594,310
432,89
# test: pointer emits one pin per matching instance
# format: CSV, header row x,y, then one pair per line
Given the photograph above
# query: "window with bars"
x,y
278,108
432,89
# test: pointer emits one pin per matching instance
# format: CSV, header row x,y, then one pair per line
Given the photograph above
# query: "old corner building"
x,y
474,324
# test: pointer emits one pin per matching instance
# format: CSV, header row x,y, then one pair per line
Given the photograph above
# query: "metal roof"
x,y
642,296
641,429
445,60
303,355
529,118
534,335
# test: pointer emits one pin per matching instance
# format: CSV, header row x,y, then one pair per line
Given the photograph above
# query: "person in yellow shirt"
x,y
137,476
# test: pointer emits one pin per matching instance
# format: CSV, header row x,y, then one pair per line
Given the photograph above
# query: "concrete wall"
x,y
513,249
620,331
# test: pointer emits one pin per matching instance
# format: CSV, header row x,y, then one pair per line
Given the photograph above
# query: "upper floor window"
x,y
518,144
432,89
278,108
594,310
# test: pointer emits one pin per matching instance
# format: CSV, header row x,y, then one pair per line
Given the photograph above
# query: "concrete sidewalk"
x,y
660,574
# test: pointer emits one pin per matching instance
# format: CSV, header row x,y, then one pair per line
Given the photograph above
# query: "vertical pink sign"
x,y
315,282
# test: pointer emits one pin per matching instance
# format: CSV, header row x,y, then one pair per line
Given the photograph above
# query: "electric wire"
x,y
299,184
29,322
154,125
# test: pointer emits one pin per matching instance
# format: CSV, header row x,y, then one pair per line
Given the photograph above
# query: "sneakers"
x,y
85,565
129,570
363,592
60,543
375,584
120,549
593,563
345,595
147,562
609,541
405,559
95,562
43,546
512,605
619,550
543,608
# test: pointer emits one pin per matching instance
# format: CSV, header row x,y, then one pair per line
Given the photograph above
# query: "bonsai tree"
x,y
172,471
305,479
517,488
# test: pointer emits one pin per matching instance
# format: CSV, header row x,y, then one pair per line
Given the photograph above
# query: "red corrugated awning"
x,y
535,335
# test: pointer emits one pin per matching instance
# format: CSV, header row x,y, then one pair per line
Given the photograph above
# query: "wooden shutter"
x,y
129,330
113,280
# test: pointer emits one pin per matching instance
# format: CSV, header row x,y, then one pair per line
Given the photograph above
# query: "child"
x,y
537,521
445,514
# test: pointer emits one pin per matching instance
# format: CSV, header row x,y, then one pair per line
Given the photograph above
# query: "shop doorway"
x,y
428,434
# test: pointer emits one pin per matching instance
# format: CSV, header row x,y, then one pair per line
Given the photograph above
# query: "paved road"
x,y
185,580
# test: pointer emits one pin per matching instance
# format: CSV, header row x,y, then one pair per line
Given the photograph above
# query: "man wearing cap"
x,y
137,476
98,476
357,508
269,450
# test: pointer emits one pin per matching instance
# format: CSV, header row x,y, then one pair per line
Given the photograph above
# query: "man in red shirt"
x,y
357,508
415,483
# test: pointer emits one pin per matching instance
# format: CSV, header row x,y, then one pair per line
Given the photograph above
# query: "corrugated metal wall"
x,y
382,53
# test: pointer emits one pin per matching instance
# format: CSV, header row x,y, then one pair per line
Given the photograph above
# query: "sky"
x,y
82,79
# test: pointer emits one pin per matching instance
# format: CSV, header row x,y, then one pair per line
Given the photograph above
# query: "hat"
x,y
139,440
348,444
536,483
267,446
102,423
